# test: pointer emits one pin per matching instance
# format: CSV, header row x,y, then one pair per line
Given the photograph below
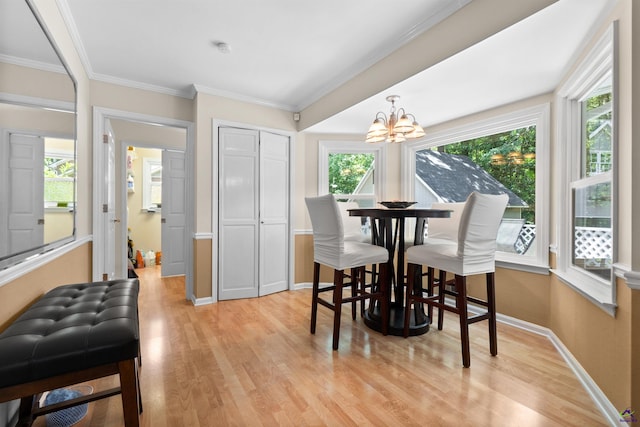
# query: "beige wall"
x,y
603,345
144,226
16,296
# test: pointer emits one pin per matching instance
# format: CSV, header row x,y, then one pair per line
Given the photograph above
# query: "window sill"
x,y
59,209
521,266
598,293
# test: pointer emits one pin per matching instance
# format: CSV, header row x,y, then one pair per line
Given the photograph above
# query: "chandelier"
x,y
394,129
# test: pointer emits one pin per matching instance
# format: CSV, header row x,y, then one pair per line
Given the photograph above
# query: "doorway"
x,y
155,208
115,131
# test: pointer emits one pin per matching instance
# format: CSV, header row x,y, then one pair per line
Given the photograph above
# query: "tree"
x,y
509,157
346,170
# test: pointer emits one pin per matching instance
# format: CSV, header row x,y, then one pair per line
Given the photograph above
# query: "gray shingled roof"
x,y
454,177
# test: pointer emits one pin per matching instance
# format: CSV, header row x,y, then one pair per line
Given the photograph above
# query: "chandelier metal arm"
x,y
396,128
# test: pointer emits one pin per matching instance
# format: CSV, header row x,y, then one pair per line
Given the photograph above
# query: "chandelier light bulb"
x,y
394,129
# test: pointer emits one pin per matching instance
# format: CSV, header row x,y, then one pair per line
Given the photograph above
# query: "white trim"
x,y
37,261
379,150
203,236
202,301
99,116
600,399
607,409
309,98
598,63
633,279
540,116
30,101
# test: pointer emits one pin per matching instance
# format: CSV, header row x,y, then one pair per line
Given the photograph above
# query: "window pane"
x,y
59,172
58,191
596,131
592,236
351,173
494,164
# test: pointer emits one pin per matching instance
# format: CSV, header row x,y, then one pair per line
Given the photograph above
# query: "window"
x,y
586,153
505,154
59,173
352,171
151,183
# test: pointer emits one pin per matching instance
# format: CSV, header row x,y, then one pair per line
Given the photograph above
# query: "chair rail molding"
x,y
633,279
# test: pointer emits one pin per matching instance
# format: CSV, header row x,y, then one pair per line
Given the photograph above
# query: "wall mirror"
x,y
37,138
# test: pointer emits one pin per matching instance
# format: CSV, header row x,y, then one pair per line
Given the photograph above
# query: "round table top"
x,y
400,213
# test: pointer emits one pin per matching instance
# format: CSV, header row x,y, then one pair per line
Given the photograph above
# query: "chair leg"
x,y
412,271
363,284
417,291
491,308
442,278
461,304
314,297
384,281
355,282
338,280
430,286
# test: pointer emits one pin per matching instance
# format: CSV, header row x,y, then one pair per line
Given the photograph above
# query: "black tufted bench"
x,y
74,333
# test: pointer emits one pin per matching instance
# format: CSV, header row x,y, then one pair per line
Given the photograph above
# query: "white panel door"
x,y
238,213
26,193
109,204
274,213
173,237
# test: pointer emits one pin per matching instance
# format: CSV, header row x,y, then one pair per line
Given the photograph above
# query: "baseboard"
x,y
602,402
202,301
600,399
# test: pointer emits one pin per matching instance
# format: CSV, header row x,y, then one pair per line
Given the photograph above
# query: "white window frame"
x,y
62,154
538,116
379,150
600,62
147,164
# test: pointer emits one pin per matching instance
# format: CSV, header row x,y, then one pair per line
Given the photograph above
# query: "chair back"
x,y
328,230
479,224
352,225
445,228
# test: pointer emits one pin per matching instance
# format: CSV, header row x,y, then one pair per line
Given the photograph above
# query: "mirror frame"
x,y
14,259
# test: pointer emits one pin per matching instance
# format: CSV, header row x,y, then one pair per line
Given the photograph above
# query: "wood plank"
x,y
254,362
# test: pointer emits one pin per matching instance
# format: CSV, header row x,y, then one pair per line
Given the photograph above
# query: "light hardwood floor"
x,y
254,363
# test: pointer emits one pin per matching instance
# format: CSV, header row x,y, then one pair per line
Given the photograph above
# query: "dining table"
x,y
388,226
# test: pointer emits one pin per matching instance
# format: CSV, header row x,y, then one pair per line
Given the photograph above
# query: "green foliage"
x,y
346,170
58,179
509,157
56,167
58,191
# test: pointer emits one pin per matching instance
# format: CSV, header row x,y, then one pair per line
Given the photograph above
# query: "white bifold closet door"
x,y
253,213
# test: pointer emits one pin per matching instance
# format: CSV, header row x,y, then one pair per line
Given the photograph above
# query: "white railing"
x,y
593,243
590,242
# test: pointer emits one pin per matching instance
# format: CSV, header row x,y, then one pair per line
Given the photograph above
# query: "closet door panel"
x,y
238,214
274,213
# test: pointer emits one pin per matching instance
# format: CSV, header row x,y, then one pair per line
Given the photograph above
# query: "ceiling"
x,y
289,53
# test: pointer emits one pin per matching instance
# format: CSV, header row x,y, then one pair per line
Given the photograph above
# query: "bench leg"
x,y
25,415
130,392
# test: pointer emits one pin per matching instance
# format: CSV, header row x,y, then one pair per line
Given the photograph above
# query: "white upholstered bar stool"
x,y
440,229
331,249
472,253
353,232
